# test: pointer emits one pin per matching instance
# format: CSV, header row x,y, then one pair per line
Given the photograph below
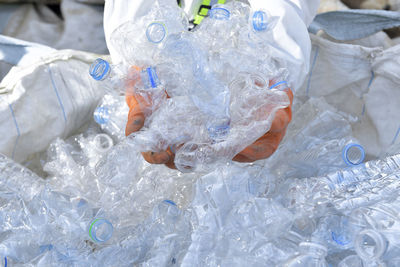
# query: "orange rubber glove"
x,y
267,144
263,148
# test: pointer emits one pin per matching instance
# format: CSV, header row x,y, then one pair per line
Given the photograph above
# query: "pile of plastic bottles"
x,y
102,204
315,202
197,98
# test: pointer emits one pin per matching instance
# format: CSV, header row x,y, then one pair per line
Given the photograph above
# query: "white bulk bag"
x,y
361,81
47,96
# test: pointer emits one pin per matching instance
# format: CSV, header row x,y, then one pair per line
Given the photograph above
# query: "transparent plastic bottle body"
x,y
139,41
117,168
260,25
345,190
102,71
93,223
208,93
337,231
16,178
378,246
159,240
217,29
251,115
328,157
317,145
101,143
116,81
312,255
112,115
351,261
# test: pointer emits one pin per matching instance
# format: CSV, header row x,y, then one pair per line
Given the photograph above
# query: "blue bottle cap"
x,y
100,230
156,32
170,202
101,115
99,69
277,84
340,238
219,13
260,21
353,154
153,78
81,203
44,248
218,132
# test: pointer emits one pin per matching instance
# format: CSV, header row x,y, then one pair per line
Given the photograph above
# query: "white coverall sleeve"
x,y
290,34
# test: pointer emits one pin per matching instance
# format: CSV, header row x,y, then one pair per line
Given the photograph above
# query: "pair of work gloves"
x,y
262,148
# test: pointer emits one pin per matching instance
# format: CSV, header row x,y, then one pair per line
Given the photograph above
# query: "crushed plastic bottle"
x,y
315,202
312,255
111,115
261,24
351,261
139,41
114,82
208,93
100,70
224,122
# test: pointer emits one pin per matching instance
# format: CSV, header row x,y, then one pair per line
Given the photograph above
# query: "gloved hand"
x,y
264,147
139,107
267,144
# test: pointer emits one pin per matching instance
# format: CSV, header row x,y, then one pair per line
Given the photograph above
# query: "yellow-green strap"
x,y
203,11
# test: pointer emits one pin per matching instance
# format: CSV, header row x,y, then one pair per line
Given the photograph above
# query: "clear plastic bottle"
x,y
111,115
325,158
380,216
16,178
375,249
114,82
353,154
347,189
280,85
351,261
93,222
139,40
116,169
100,230
195,157
311,255
260,26
161,238
366,184
102,143
215,30
102,71
208,93
156,32
259,21
337,230
319,141
149,78
167,19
